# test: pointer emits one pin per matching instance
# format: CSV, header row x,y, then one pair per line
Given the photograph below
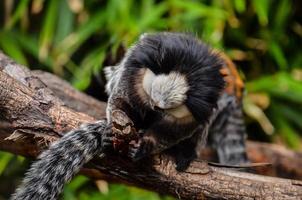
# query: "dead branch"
x,y
285,163
35,116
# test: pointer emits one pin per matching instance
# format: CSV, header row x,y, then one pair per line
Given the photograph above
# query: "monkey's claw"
x,y
107,139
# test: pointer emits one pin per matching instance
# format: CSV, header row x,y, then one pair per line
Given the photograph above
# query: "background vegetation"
x,y
75,39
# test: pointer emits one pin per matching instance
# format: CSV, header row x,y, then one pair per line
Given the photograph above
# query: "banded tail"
x,y
56,166
228,134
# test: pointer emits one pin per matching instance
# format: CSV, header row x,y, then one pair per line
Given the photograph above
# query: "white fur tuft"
x,y
165,91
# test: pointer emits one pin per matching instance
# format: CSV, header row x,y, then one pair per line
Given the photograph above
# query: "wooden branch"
x,y
71,97
34,116
285,163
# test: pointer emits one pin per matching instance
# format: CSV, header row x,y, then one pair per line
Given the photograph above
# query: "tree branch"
x,y
36,111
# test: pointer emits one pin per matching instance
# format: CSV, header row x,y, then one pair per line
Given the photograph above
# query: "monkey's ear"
x,y
143,35
109,71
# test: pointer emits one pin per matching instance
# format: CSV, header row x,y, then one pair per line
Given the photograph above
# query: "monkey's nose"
x,y
156,108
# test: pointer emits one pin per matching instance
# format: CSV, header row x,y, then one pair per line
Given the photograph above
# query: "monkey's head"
x,y
174,72
164,91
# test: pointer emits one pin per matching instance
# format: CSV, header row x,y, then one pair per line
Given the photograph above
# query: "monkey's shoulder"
x,y
234,83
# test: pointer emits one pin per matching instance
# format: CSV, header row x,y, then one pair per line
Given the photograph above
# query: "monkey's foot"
x,y
183,155
140,149
183,162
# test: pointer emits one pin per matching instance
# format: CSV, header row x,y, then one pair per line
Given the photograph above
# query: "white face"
x,y
165,91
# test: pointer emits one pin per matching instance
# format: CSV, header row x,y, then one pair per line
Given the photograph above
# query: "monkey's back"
x,y
234,83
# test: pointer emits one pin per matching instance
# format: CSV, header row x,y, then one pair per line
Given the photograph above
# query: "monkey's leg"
x,y
158,138
189,149
228,134
183,153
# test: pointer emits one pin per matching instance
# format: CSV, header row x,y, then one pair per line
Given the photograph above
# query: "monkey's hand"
x,y
141,148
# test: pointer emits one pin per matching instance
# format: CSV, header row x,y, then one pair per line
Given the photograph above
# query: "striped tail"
x,y
56,166
228,134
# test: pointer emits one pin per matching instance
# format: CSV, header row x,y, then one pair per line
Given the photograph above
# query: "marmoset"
x,y
177,91
174,88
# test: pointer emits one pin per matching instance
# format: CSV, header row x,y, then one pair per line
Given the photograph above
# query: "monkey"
x,y
177,91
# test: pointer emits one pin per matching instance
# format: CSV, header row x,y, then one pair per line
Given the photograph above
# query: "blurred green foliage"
x,y
79,188
73,39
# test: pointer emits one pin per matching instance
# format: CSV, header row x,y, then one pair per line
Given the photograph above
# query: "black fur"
x,y
166,52
163,53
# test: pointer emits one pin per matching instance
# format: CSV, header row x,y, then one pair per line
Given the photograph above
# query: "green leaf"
x,y
65,22
240,5
5,158
289,134
284,11
276,51
199,10
70,44
262,8
47,33
292,113
152,17
77,182
12,48
92,62
281,85
21,10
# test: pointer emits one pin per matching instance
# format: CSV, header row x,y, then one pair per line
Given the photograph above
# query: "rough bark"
x,y
285,163
33,115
